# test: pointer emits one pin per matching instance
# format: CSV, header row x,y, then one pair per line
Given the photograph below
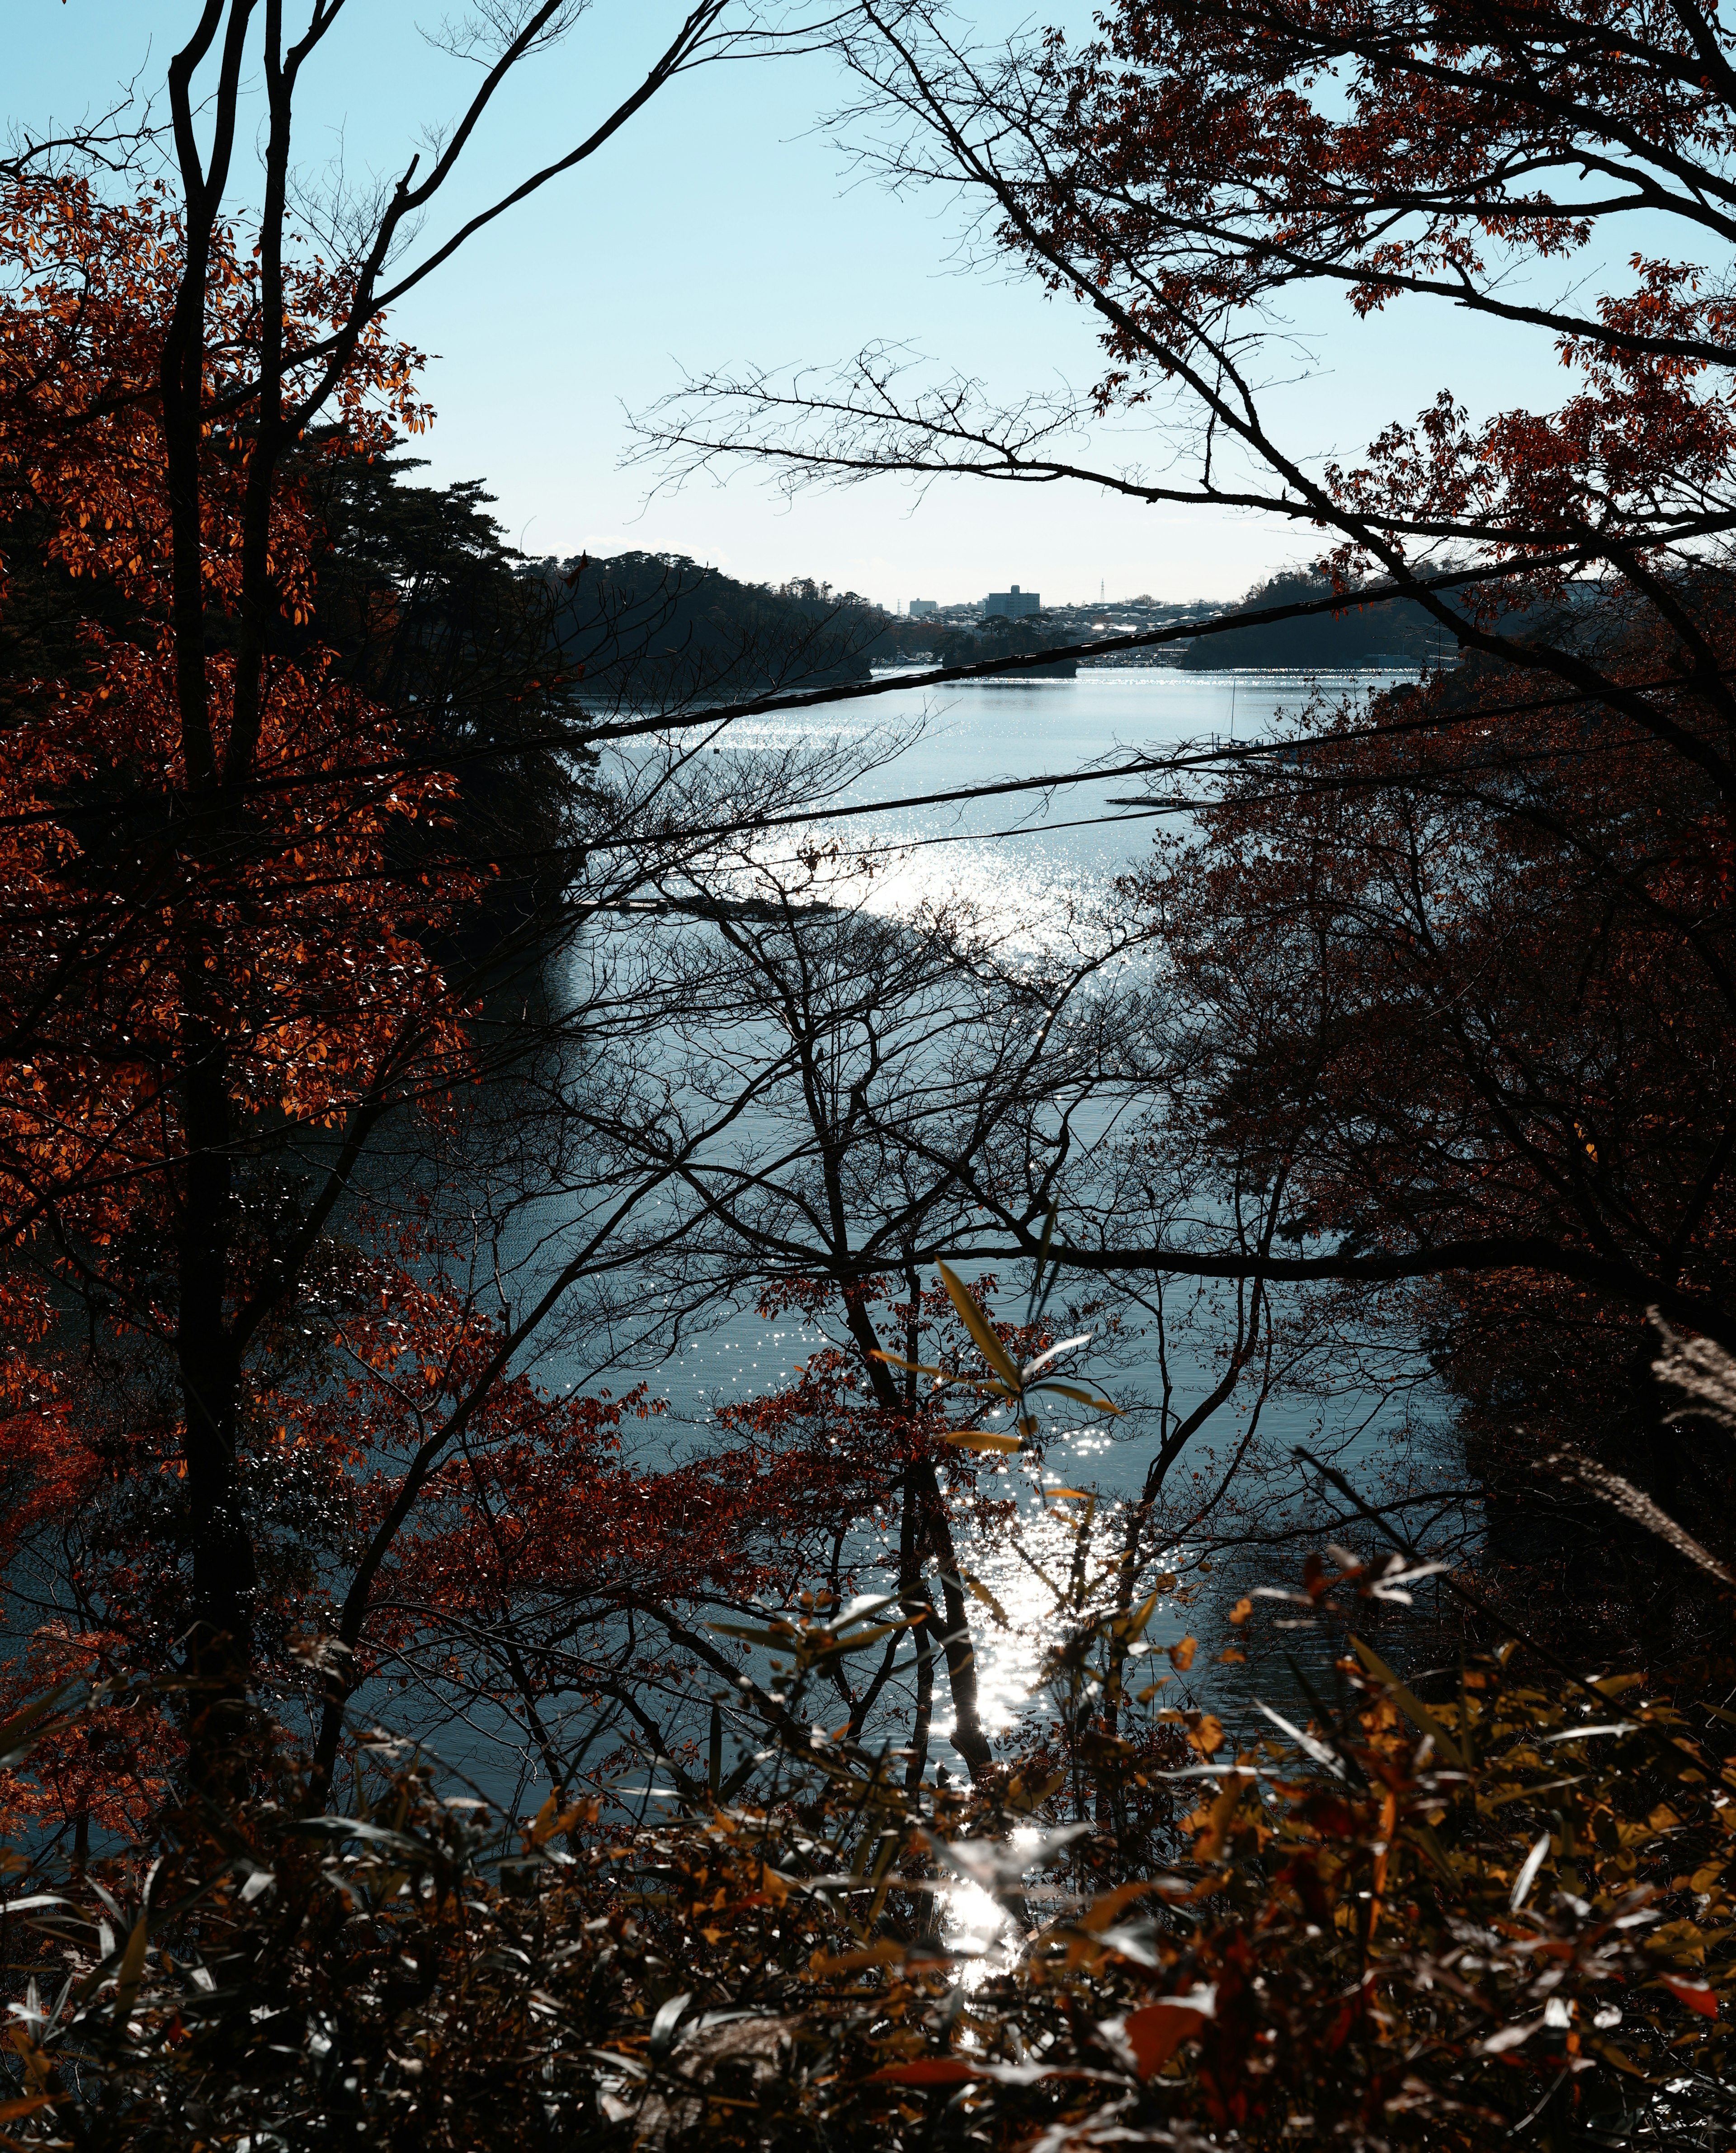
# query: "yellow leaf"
x,y
1021,1797
978,1591
547,1825
132,1970
1107,1906
981,1438
1082,1398
1210,1840
1157,2030
1412,1708
980,1329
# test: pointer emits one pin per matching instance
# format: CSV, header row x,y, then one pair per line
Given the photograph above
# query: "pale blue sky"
x,y
723,229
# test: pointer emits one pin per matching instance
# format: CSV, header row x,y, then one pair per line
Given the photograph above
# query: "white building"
x,y
1014,603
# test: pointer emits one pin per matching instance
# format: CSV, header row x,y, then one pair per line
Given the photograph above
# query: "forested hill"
x,y
1318,643
658,628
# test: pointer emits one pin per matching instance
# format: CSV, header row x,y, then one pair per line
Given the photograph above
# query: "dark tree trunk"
x,y
221,1640
925,1507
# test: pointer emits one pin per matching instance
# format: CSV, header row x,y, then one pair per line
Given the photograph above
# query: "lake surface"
x,y
1028,854
1032,859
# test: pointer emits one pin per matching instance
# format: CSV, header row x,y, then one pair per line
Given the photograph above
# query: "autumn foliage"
x,y
203,921
1447,981
1409,1924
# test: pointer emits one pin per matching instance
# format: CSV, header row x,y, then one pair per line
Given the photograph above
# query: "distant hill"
x,y
1321,643
658,630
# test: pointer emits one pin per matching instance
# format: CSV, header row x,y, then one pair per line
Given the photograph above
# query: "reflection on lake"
x,y
1035,865
1032,856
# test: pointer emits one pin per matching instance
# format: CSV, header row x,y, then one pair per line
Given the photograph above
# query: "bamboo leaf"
x,y
776,1640
1054,1353
664,2025
928,2070
870,1637
1528,1871
19,1728
980,1327
978,1591
132,1969
26,2105
910,1367
1411,1706
1080,1398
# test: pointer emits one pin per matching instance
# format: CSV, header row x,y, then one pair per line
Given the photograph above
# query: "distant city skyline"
x,y
928,609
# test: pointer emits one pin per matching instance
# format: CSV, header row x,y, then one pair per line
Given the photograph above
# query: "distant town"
x,y
993,615
1064,624
1017,604
1387,637
655,625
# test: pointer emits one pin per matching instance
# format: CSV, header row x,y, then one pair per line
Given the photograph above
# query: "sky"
x,y
725,228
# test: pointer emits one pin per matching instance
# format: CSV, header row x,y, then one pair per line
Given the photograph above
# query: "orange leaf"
x,y
880,1954
927,2070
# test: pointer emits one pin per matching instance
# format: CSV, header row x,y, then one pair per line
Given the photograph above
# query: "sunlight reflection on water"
x,y
1037,868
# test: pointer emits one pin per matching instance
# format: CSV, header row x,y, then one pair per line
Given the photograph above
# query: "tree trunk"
x,y
221,1640
933,1530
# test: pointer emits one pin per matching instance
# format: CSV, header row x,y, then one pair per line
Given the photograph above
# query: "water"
x,y
1037,864
1032,855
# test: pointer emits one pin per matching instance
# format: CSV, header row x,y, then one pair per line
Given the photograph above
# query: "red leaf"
x,y
1693,1993
1157,2031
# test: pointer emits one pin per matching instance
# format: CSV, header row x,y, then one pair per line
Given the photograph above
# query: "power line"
x,y
1202,760
1149,810
989,668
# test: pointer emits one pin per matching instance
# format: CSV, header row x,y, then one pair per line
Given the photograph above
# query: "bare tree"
x,y
1595,616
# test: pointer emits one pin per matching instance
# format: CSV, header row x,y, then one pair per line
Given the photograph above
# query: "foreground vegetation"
x,y
1505,1910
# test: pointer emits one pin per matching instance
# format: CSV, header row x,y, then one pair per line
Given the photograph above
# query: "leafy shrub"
x,y
1408,1923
